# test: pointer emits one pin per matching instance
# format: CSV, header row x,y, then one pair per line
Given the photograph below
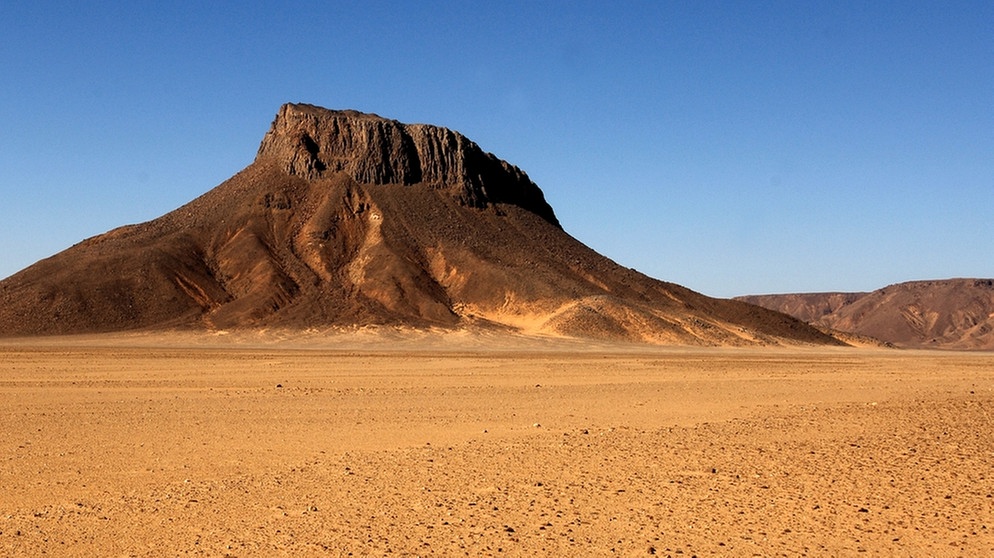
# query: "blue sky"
x,y
731,147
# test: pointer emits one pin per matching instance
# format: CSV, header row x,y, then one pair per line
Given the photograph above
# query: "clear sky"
x,y
731,147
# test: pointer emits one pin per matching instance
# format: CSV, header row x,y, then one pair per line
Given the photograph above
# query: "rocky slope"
x,y
946,314
348,219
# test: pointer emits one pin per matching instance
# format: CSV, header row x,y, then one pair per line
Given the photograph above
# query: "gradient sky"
x,y
731,147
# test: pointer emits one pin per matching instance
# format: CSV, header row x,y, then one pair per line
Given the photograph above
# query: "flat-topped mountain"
x,y
313,143
943,314
348,219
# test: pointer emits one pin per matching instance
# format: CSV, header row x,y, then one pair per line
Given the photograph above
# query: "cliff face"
x,y
312,142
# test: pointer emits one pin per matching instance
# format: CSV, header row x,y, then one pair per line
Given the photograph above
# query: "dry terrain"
x,y
469,445
939,314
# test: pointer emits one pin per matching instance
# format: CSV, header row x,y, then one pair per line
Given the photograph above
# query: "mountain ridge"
x,y
933,313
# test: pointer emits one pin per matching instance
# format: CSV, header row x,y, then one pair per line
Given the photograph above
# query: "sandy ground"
x,y
473,446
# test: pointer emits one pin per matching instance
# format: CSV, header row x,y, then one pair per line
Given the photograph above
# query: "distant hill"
x,y
942,314
348,219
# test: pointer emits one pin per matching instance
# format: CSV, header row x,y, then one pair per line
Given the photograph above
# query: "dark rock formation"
x,y
311,142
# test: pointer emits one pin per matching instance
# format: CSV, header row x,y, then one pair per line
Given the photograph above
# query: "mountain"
x,y
347,219
807,307
944,314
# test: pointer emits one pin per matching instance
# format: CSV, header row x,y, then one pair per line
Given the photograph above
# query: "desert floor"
x,y
474,445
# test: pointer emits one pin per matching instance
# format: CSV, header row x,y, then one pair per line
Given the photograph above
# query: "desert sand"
x,y
373,444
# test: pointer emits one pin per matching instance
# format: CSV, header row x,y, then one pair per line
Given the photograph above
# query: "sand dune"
x,y
414,444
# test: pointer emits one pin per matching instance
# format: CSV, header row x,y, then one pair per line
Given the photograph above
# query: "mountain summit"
x,y
313,143
348,219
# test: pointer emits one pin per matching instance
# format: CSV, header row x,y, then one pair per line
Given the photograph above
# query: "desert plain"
x,y
476,444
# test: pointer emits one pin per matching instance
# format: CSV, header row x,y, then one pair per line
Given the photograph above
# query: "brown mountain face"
x,y
348,219
946,314
807,307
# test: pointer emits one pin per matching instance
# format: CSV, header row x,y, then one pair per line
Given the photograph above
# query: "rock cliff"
x,y
312,142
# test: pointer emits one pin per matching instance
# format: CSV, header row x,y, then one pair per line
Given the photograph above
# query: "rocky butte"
x,y
348,219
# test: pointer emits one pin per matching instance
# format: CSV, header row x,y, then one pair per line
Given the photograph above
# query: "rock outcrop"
x,y
348,219
312,143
